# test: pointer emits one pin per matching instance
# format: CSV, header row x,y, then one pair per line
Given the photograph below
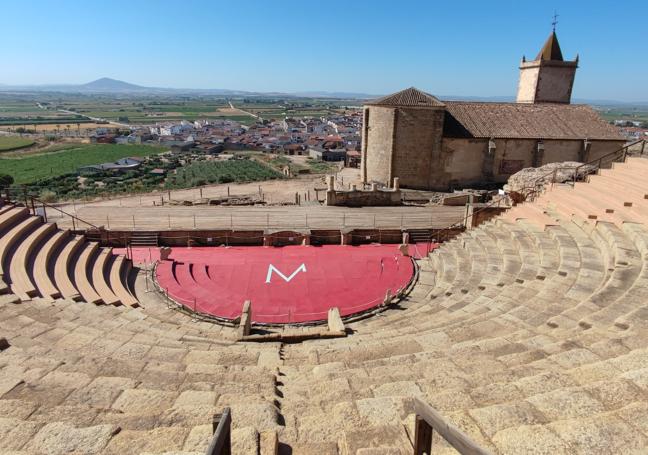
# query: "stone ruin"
x,y
531,179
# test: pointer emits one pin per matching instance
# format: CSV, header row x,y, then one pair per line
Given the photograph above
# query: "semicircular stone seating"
x,y
39,260
529,333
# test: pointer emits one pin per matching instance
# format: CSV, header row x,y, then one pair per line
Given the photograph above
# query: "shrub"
x,y
199,173
48,196
6,180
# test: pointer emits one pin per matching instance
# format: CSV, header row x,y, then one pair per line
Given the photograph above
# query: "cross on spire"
x,y
554,21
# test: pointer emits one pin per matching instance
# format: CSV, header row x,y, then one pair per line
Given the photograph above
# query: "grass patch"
x,y
321,167
14,142
52,164
206,172
279,161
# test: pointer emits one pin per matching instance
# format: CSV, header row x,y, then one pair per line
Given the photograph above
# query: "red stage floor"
x,y
289,284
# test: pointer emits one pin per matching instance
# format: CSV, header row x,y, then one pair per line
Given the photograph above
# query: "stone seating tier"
x,y
529,333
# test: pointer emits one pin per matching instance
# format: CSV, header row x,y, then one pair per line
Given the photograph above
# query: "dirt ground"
x,y
273,192
62,127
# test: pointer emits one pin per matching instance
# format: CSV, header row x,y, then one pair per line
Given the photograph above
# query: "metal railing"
x,y
261,219
221,442
581,171
428,420
445,233
34,202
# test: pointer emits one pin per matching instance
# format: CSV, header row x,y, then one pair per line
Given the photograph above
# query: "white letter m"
x,y
272,268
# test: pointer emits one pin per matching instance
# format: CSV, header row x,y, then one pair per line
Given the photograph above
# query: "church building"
x,y
438,145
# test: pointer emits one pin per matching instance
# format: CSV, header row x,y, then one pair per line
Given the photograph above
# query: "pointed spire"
x,y
551,49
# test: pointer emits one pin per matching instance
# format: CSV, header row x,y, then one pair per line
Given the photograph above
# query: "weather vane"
x,y
555,21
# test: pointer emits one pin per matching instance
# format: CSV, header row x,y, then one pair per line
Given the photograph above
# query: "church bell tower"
x,y
548,78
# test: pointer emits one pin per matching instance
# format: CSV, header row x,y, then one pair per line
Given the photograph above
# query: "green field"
x,y
36,167
625,112
206,172
13,142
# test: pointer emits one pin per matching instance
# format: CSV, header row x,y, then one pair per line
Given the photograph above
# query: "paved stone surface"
x,y
530,439
195,398
59,438
198,438
244,441
15,433
143,400
156,440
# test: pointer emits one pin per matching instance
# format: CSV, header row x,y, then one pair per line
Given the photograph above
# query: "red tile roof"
x,y
410,97
526,121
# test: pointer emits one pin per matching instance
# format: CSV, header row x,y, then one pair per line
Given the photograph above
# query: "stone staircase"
x,y
144,239
529,333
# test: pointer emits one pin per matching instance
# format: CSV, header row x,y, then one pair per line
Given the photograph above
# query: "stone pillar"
x,y
374,187
583,155
396,184
470,208
246,319
165,251
331,183
330,191
488,160
538,154
363,148
335,323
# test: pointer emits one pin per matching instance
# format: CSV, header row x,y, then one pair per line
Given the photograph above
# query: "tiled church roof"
x,y
410,97
532,121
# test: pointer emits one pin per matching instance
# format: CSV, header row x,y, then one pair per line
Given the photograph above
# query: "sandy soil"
x,y
62,126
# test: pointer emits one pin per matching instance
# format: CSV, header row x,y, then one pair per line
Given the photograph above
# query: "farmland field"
x,y
50,108
633,113
13,142
203,173
36,167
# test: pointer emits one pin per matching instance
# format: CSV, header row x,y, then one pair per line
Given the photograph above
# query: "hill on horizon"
x,y
108,84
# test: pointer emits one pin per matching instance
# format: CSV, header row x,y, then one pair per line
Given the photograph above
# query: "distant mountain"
x,y
106,84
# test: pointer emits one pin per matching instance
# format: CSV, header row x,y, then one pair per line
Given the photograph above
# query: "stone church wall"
x,y
467,161
555,83
601,148
418,160
464,160
527,84
546,82
379,140
557,151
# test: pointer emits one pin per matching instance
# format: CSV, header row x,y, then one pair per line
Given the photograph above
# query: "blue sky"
x,y
466,48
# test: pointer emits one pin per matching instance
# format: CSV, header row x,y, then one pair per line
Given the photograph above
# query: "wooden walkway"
x,y
304,217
